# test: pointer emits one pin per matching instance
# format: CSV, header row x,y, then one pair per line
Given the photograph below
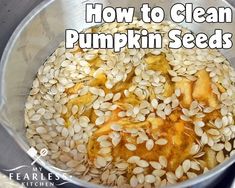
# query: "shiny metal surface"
x,y
11,155
11,15
36,38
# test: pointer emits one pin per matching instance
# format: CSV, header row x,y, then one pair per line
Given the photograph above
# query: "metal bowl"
x,y
38,36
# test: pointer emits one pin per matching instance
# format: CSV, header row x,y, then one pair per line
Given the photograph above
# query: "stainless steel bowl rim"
x,y
46,165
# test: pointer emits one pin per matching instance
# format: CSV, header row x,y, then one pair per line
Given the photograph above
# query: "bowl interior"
x,y
41,32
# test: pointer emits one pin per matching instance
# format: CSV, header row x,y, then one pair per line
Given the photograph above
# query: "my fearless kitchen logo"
x,y
31,176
